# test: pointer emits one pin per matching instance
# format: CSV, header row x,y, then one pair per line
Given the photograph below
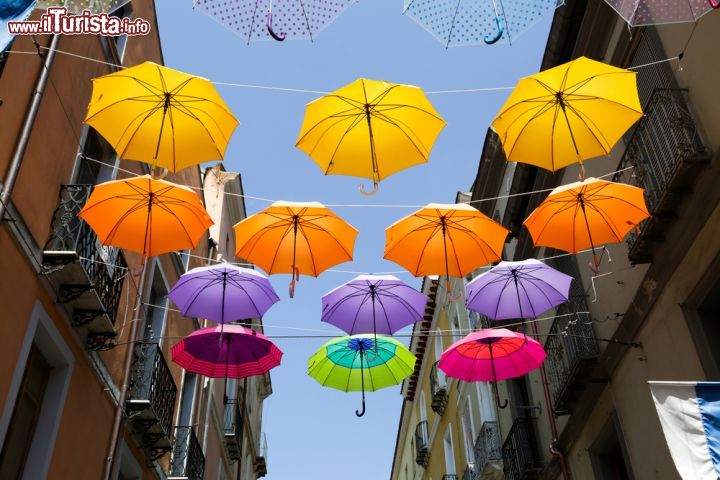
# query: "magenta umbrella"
x,y
524,289
490,355
227,351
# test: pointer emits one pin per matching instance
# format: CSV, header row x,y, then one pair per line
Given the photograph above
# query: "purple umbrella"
x,y
223,293
518,290
373,304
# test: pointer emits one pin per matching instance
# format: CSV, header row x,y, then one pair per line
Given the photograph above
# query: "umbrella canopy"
x,y
370,129
491,355
295,237
457,23
444,239
524,289
226,351
223,293
567,114
586,214
161,116
274,19
146,215
658,12
78,6
345,364
377,304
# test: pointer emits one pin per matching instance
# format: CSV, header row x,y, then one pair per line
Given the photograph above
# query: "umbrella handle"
x,y
160,175
497,399
360,413
295,279
277,36
492,40
714,5
370,193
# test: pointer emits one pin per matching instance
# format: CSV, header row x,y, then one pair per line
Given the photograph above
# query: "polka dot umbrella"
x,y
456,23
256,20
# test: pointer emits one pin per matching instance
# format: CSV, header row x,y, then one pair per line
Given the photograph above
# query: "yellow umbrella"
x,y
444,239
160,116
567,114
295,237
370,129
146,215
585,214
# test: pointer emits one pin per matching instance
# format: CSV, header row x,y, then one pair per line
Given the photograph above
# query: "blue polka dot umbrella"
x,y
256,20
457,23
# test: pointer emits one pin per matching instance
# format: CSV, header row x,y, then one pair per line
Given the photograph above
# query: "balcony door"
x,y
449,452
97,162
156,308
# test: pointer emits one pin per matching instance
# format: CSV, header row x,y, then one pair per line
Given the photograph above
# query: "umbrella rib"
x,y
543,109
307,22
252,23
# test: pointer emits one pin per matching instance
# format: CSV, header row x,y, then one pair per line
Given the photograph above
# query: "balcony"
x,y
151,400
233,430
87,276
470,472
519,452
261,459
187,461
667,154
487,449
572,352
422,444
438,390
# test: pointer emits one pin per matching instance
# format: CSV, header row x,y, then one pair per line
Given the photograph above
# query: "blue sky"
x,y
313,431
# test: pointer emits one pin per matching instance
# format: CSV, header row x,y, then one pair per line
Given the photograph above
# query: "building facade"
x,y
650,313
72,340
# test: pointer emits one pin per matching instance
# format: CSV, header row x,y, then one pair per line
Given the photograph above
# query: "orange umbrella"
x,y
444,239
295,237
585,214
146,215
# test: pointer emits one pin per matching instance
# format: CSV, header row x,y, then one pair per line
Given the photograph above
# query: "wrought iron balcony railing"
x,y
187,461
470,472
261,459
487,446
422,444
519,452
88,276
233,430
151,399
666,152
438,390
571,350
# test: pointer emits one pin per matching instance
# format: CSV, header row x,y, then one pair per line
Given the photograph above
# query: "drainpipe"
x,y
120,408
554,450
19,153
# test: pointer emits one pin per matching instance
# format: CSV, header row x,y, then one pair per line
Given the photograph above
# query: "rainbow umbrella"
x,y
344,364
227,351
490,355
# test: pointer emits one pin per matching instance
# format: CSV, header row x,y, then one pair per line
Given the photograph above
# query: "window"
x,y
608,455
184,259
156,308
438,353
187,400
25,417
468,434
99,161
449,452
35,400
423,407
121,40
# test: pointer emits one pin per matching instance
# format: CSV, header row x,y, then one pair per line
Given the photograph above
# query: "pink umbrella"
x,y
492,354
